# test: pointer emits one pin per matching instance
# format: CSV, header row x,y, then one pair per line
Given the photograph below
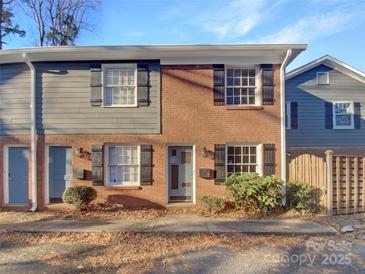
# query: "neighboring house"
x,y
144,125
325,107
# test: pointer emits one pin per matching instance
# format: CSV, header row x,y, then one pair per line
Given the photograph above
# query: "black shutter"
x,y
293,115
143,85
357,115
218,88
146,165
267,84
269,159
97,165
220,163
328,115
95,84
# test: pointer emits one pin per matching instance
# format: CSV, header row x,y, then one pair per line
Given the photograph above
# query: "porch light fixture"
x,y
79,151
204,151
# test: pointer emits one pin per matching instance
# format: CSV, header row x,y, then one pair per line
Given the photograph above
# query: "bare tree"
x,y
7,27
59,22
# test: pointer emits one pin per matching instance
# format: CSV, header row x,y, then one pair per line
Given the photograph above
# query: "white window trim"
x,y
258,101
352,126
106,165
328,77
288,115
259,157
120,66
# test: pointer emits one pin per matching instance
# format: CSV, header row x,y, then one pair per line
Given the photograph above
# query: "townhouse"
x,y
144,125
325,107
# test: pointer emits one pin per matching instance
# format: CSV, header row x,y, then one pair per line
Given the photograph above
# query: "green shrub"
x,y
79,196
211,204
254,193
301,197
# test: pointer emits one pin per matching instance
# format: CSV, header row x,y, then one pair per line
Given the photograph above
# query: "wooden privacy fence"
x,y
338,179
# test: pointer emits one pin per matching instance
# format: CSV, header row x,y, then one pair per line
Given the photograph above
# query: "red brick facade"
x,y
188,117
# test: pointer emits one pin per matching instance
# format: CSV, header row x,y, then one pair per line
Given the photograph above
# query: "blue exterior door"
x,y
18,175
60,172
180,175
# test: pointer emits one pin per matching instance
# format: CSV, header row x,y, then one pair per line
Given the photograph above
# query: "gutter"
x,y
282,116
33,132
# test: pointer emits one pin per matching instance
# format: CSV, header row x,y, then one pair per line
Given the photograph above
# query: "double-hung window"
x,y
122,165
343,115
242,159
120,85
241,86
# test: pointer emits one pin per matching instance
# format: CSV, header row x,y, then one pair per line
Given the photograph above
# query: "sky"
x,y
334,27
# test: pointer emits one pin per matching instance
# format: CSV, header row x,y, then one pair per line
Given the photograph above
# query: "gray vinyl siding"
x,y
14,99
311,100
63,104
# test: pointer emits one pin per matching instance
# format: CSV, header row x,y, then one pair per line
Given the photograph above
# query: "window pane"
x,y
229,91
112,156
230,150
343,120
229,72
252,159
230,159
342,108
229,81
237,72
108,96
229,100
244,72
245,159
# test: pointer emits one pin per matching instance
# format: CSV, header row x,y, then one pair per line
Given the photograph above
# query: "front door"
x,y
60,172
180,175
18,175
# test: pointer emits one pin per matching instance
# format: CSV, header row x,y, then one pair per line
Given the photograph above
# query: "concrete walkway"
x,y
176,224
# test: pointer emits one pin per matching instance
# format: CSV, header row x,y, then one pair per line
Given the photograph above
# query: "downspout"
x,y
33,131
282,116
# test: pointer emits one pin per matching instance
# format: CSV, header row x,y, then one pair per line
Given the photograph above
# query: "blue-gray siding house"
x,y
325,105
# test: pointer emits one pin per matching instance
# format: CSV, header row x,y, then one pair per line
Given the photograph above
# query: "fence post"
x,y
329,191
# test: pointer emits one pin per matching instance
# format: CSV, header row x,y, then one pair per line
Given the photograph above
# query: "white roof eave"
x,y
168,54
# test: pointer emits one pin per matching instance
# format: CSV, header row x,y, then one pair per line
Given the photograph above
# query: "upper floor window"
x,y
343,115
241,85
323,78
120,85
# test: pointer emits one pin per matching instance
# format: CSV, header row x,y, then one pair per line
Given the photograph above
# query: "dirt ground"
x,y
159,253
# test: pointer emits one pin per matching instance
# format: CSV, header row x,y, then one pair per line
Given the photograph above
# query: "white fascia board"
x,y
208,53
